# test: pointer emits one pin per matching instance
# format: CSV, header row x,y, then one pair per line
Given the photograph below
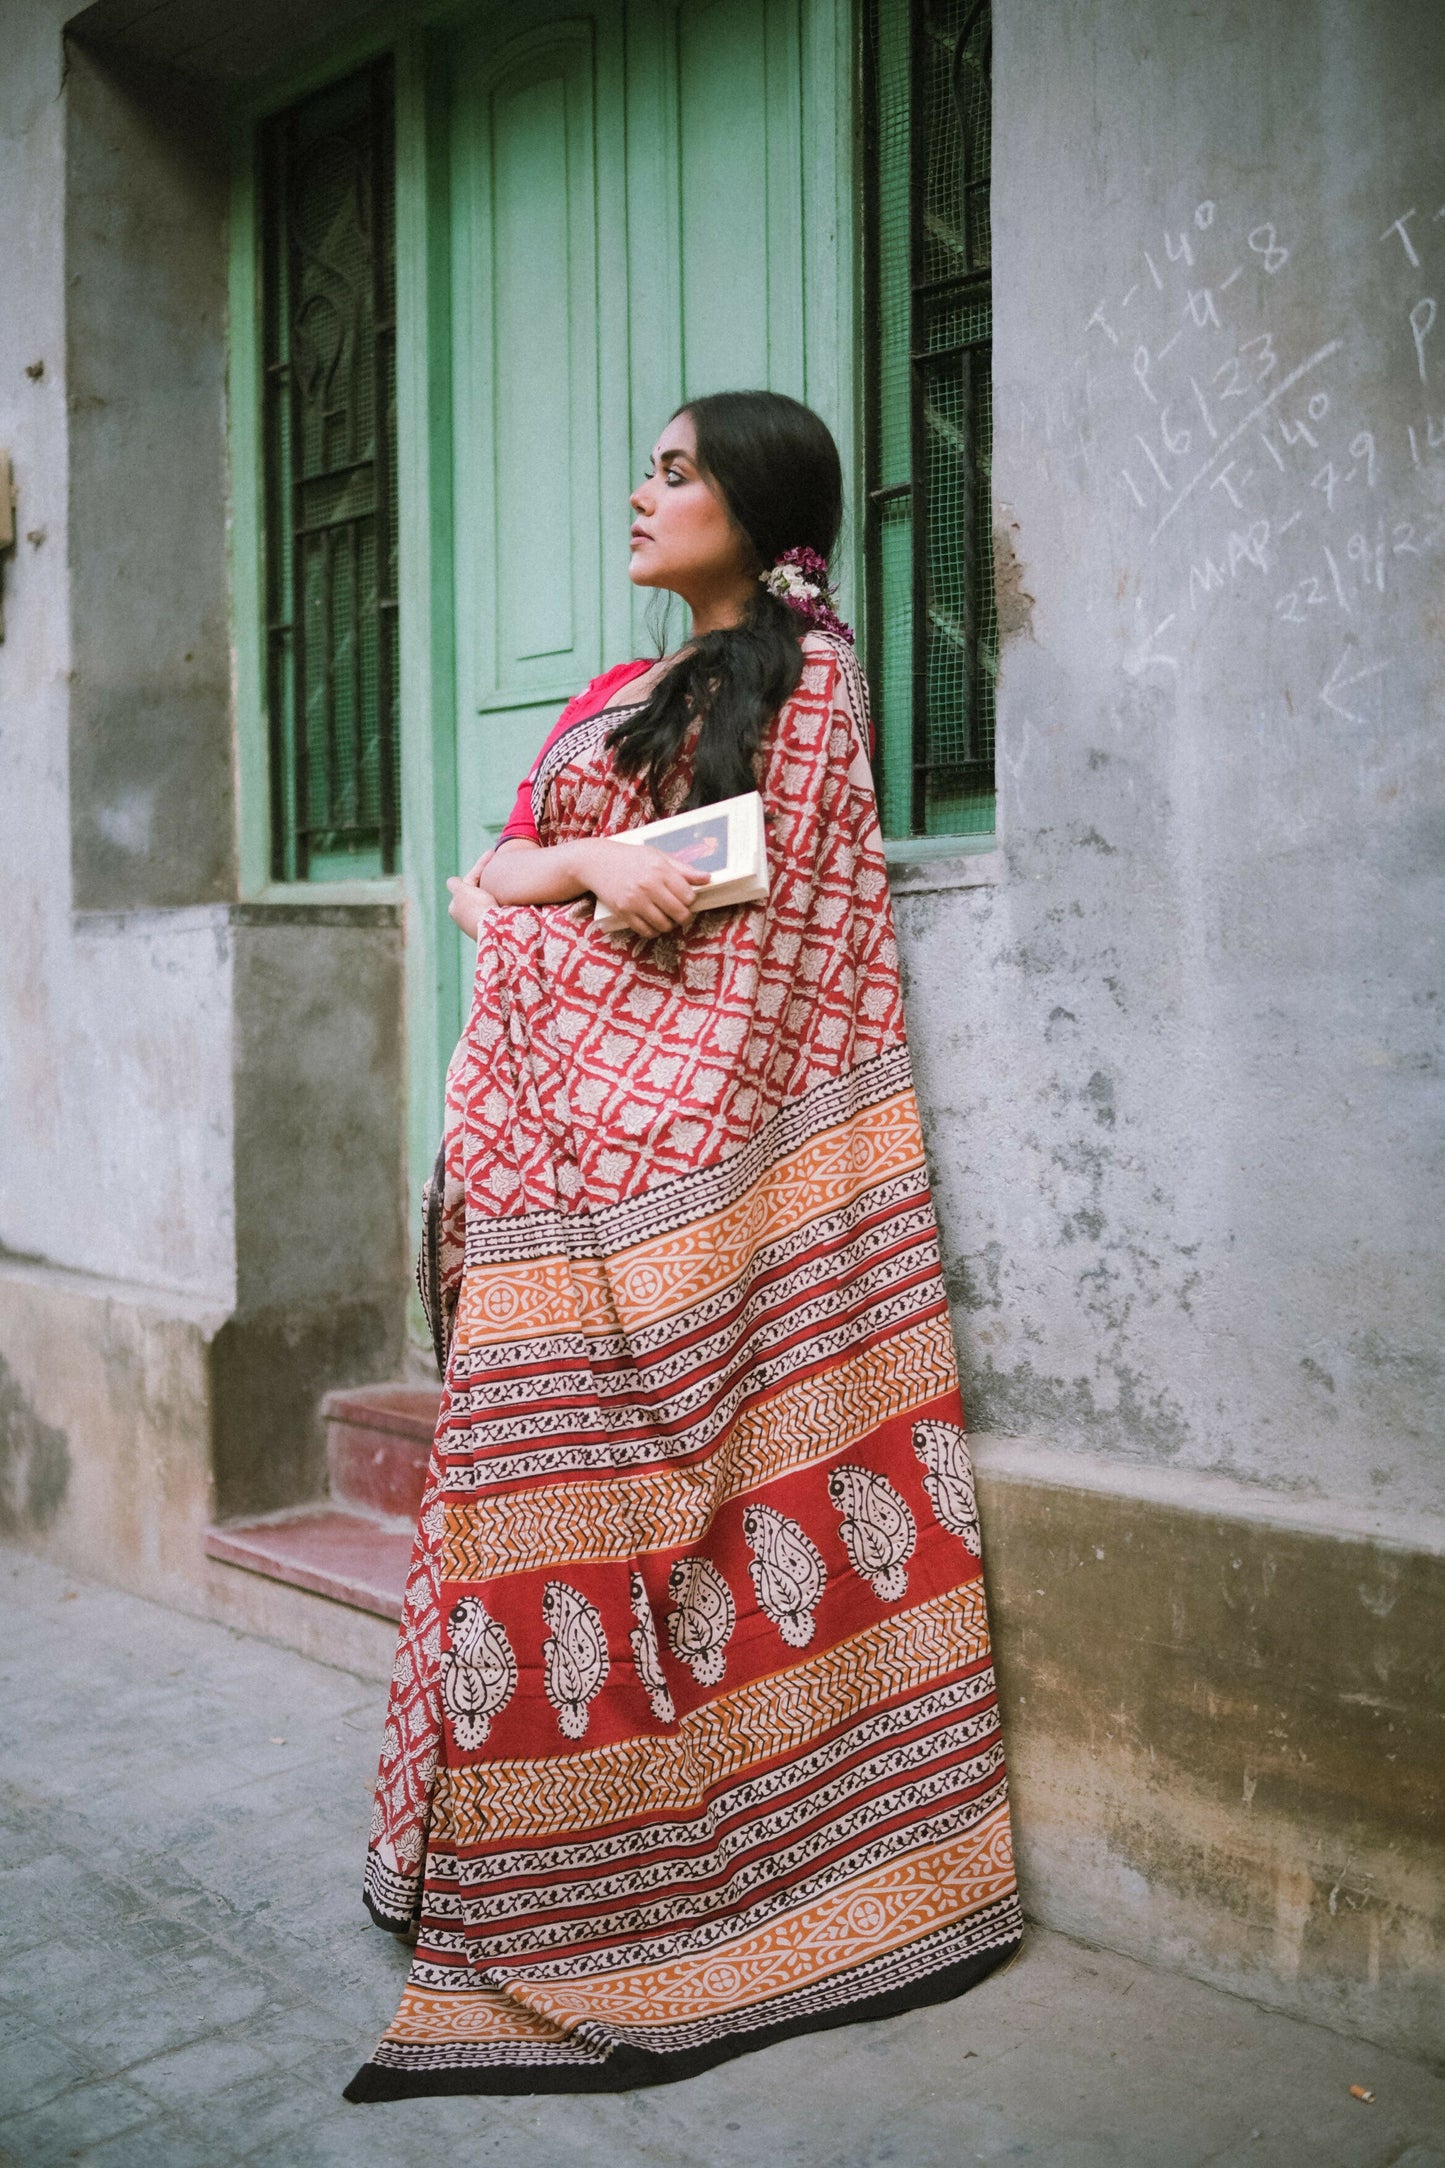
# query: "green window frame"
x,y
928,529
326,190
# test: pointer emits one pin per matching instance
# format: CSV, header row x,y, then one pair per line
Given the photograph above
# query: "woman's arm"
x,y
650,892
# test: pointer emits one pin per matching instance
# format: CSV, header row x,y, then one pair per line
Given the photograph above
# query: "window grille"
x,y
329,430
933,625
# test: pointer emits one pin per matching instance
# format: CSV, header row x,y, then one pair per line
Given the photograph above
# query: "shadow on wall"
x,y
34,1463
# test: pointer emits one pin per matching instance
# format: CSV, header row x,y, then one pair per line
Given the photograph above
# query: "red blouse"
x,y
587,702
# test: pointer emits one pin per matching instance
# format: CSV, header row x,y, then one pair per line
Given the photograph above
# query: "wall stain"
x,y
1099,1091
972,1280
34,1462
1021,1401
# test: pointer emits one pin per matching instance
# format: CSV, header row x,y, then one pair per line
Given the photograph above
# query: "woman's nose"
x,y
639,500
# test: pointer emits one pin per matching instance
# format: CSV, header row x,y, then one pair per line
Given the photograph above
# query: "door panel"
x,y
535,391
526,376
740,187
722,141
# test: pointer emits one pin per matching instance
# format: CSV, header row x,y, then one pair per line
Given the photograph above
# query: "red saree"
x,y
693,1738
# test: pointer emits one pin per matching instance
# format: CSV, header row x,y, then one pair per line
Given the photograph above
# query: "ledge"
x,y
352,904
1211,1492
323,903
930,865
69,1286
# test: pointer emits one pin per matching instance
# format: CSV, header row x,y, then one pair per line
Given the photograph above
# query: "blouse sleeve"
x,y
520,821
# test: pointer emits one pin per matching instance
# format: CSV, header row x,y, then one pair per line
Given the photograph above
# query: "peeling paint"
x,y
1014,602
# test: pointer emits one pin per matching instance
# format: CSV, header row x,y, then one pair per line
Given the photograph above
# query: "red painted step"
x,y
356,1548
378,1442
349,1557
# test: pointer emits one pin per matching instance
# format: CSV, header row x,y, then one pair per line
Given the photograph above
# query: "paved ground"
x,y
188,1978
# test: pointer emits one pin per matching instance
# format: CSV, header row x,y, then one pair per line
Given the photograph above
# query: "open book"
x,y
725,841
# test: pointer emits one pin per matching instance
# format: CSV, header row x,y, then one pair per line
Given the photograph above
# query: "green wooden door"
x,y
650,199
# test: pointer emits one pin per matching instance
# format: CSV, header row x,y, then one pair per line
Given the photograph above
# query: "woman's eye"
x,y
673,475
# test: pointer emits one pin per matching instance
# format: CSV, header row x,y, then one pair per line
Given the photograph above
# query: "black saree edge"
x,y
628,2070
386,1920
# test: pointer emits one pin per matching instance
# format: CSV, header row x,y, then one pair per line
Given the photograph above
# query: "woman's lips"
x,y
640,534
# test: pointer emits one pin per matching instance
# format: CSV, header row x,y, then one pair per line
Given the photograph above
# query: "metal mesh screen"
x,y
933,622
328,242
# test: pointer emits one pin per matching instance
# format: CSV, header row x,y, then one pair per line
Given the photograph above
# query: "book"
x,y
725,841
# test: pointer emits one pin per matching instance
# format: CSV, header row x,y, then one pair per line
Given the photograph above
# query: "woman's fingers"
x,y
651,893
674,895
459,908
673,886
469,903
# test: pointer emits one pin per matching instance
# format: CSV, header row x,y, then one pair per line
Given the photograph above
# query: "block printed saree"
x,y
693,1739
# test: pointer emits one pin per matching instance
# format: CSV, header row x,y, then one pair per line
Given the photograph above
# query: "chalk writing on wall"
x,y
1195,391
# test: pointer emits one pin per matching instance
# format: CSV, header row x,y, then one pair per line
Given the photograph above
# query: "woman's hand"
x,y
650,892
470,902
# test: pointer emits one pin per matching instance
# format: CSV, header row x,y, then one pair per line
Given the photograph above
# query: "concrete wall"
x,y
151,747
201,1207
1225,1729
1178,1047
1181,1065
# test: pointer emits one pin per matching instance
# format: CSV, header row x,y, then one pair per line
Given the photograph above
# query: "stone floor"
x,y
188,1979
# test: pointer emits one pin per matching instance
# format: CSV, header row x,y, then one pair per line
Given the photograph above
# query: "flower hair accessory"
x,y
800,579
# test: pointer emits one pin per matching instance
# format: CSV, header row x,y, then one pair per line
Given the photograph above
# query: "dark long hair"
x,y
776,468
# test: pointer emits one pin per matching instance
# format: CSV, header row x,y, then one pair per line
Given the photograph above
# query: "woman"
x,y
692,1741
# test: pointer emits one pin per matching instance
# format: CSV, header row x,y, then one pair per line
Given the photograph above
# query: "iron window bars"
x,y
933,625
329,433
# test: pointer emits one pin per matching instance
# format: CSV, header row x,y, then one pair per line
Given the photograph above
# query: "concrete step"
x,y
354,1549
378,1442
353,1558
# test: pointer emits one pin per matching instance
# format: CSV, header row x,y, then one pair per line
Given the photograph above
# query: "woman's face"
x,y
683,537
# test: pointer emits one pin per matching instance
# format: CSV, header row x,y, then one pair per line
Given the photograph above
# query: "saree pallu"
x,y
693,1738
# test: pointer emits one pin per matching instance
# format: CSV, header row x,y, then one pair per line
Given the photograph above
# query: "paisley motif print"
x,y
479,1672
878,1530
646,1655
948,1479
701,1626
787,1570
574,1655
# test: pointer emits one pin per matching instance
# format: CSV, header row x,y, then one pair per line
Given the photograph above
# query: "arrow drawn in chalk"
x,y
1337,683
1143,656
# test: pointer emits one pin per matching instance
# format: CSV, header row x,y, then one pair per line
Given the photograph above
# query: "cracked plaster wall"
x,y
100,1015
201,1144
1180,1069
